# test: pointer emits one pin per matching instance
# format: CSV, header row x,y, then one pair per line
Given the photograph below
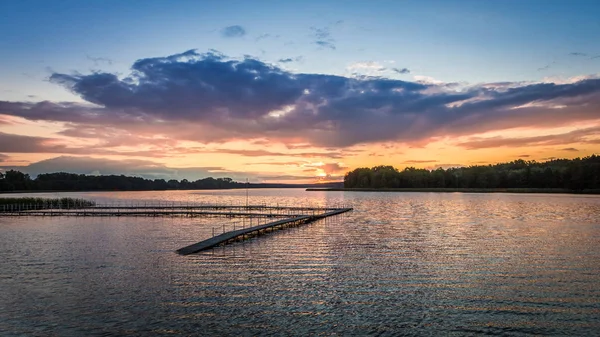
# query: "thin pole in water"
x,y
247,193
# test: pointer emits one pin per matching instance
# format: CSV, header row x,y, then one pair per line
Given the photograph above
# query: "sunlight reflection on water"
x,y
401,263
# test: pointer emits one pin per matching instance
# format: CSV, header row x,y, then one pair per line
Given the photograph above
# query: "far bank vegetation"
x,y
578,174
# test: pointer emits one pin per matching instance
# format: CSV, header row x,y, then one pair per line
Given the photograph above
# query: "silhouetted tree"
x,y
578,174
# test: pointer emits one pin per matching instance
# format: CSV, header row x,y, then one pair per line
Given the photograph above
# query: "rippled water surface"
x,y
399,264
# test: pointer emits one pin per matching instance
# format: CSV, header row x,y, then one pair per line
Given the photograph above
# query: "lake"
x,y
400,264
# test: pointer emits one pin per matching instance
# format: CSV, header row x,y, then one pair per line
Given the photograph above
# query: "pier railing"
x,y
252,220
157,208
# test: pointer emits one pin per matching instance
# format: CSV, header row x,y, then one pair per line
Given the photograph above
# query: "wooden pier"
x,y
242,233
146,213
287,216
258,211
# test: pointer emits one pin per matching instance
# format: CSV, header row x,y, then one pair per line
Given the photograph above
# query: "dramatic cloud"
x,y
401,71
587,135
233,31
146,169
212,98
23,144
12,143
129,167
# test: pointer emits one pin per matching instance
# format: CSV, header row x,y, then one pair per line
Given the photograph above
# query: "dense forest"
x,y
17,181
576,175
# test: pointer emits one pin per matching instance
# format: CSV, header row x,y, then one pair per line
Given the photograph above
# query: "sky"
x,y
294,92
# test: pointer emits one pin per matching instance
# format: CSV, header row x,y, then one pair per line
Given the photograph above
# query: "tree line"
x,y
18,181
576,175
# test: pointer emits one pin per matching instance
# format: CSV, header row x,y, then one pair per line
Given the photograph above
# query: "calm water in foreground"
x,y
400,264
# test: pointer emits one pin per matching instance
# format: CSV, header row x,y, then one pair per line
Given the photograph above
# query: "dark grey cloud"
x,y
211,98
570,149
401,71
233,31
578,54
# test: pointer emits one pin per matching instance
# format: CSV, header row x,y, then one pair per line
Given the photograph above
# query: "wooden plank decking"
x,y
166,210
293,215
149,213
240,233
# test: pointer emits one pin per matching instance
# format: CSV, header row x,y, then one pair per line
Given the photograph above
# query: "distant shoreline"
x,y
250,187
459,190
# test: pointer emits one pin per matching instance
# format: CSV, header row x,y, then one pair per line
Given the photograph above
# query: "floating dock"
x,y
257,211
242,233
288,216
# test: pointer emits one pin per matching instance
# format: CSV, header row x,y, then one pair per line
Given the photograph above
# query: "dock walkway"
x,y
292,216
241,233
259,211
